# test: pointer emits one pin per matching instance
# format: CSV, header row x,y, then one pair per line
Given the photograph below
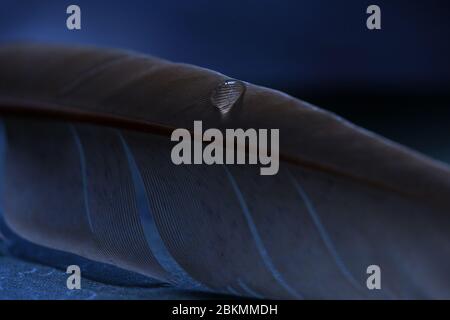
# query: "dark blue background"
x,y
303,46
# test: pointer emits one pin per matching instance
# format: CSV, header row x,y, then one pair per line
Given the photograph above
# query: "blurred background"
x,y
394,81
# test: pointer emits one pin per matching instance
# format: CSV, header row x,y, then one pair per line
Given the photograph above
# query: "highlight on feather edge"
x,y
240,147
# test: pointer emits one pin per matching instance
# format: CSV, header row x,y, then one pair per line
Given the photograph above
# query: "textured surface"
x,y
25,280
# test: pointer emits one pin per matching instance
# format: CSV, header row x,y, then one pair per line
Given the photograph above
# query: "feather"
x,y
87,170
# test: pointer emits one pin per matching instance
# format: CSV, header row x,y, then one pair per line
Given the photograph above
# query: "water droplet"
x,y
226,94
